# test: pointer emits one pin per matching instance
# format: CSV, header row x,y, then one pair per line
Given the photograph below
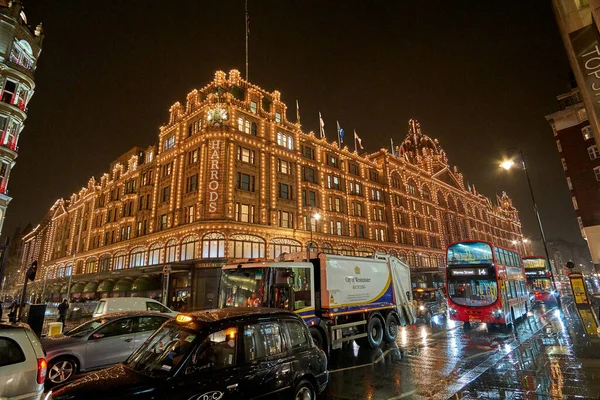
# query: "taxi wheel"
x,y
61,370
317,338
304,391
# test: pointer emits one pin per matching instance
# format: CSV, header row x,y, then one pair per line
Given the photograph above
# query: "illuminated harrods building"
x,y
232,177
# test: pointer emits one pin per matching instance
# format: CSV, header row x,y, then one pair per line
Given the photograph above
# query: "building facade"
x,y
20,47
232,177
580,158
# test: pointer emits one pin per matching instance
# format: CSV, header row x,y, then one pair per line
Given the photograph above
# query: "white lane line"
x,y
378,359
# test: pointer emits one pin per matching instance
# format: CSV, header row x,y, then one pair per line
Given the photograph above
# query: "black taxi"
x,y
232,353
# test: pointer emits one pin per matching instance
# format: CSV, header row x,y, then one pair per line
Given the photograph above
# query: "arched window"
x,y
279,246
393,253
119,261
451,204
345,250
136,258
327,248
171,251
365,252
69,269
411,187
61,271
104,263
90,266
426,193
246,246
154,254
312,246
213,245
412,260
188,248
424,261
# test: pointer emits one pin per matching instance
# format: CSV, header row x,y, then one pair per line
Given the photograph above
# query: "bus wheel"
x,y
391,328
374,333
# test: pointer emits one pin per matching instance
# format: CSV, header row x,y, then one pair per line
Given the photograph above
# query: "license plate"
x,y
474,319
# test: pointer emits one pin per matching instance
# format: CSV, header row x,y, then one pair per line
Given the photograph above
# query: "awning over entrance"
x,y
78,287
90,287
144,283
106,286
123,285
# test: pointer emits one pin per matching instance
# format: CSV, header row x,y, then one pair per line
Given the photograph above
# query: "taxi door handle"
x,y
232,387
128,340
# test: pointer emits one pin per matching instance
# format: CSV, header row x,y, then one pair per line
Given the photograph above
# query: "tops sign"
x,y
585,43
214,151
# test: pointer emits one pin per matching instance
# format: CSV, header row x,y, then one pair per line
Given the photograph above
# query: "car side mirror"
x,y
97,336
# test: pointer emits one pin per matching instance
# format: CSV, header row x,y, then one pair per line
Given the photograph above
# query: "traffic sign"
x,y
166,269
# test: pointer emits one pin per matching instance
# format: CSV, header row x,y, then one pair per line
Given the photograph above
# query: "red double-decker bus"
x,y
485,283
538,276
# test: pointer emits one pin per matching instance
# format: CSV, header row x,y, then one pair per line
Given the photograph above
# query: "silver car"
x,y
98,343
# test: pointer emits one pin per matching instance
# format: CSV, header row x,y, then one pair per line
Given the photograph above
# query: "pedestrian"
x,y
62,312
12,312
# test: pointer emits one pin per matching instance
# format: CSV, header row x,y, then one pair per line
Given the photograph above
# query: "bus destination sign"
x,y
470,271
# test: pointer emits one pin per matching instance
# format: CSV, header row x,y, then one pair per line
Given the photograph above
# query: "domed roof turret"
x,y
418,147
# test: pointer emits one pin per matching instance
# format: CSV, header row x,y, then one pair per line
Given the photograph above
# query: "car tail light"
x,y
42,367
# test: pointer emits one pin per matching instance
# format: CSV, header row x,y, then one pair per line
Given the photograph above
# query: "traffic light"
x,y
31,271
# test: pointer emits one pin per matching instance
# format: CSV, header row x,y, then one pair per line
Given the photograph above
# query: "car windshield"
x,y
243,287
164,351
473,292
86,328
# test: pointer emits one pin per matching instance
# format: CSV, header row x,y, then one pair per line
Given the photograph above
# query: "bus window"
x,y
471,292
469,253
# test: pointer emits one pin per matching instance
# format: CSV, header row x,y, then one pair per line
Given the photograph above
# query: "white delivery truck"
x,y
341,298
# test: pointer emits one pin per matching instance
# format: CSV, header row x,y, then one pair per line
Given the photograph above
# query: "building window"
x,y
285,219
309,152
593,152
193,156
245,155
285,191
564,163
246,246
335,227
575,206
253,107
376,195
558,145
417,222
154,254
356,188
426,193
189,214
374,176
278,117
243,125
587,132
332,161
411,188
419,239
191,184
119,261
104,264
194,127
308,174
245,182
213,245
285,140
253,129
171,251
8,92
90,266
569,184
188,248
434,242
311,200
404,237
169,143
353,169
166,194
380,234
19,56
281,246
597,173
166,169
136,258
244,213
163,222
333,182
284,167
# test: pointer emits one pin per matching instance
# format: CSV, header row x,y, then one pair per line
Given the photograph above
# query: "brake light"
x,y
42,365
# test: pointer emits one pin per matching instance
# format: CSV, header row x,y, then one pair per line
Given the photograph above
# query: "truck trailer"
x,y
341,298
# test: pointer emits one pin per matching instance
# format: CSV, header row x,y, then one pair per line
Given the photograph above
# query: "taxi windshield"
x,y
164,351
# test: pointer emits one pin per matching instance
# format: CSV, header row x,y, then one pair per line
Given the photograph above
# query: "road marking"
x,y
378,359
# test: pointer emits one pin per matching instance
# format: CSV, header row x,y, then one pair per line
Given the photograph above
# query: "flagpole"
x,y
392,145
355,149
246,40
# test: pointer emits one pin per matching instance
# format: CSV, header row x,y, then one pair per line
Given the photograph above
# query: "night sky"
x,y
479,76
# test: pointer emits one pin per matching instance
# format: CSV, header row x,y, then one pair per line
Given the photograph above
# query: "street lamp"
x,y
316,216
507,165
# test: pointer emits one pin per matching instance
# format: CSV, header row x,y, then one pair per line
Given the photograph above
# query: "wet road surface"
x,y
546,356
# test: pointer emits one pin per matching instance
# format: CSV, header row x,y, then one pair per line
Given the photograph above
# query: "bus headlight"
x,y
497,313
452,311
421,308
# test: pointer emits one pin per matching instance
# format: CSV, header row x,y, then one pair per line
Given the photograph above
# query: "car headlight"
x,y
421,308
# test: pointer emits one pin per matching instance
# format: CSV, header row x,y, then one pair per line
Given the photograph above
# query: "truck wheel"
x,y
391,328
374,333
317,338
